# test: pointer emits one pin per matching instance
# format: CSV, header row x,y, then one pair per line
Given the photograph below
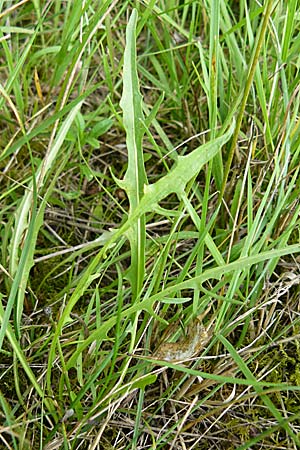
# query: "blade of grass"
x,y
252,68
267,401
21,357
214,49
5,407
25,222
41,128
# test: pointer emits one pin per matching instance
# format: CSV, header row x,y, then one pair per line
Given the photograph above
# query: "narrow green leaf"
x,y
29,225
135,176
21,357
257,386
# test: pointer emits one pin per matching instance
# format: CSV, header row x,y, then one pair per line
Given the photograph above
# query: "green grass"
x,y
149,175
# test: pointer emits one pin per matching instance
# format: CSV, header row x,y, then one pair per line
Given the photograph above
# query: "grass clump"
x,y
150,165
